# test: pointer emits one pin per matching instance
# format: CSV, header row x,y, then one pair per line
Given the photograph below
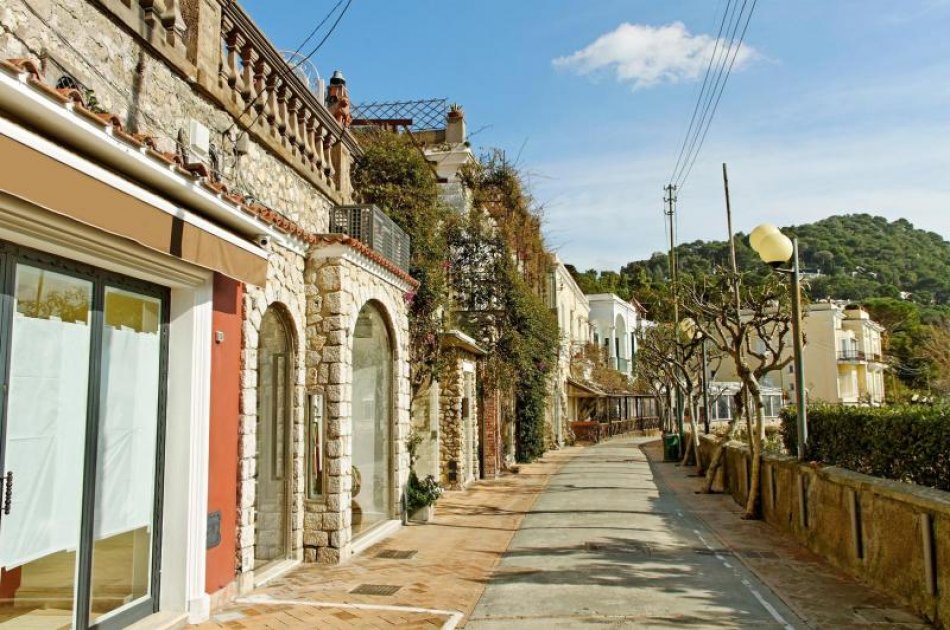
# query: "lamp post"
x,y
776,249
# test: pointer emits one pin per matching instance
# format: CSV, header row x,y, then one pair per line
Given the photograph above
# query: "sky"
x,y
831,108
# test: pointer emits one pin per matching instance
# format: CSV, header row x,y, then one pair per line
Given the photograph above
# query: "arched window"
x,y
372,492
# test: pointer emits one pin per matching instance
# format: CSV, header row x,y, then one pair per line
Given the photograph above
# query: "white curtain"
x,y
46,435
46,423
127,431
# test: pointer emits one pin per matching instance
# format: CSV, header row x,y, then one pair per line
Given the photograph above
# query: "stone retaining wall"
x,y
892,535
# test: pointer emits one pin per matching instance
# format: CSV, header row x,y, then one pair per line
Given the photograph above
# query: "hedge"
x,y
909,443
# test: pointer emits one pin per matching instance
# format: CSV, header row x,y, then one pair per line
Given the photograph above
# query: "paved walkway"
x,y
603,546
451,561
589,537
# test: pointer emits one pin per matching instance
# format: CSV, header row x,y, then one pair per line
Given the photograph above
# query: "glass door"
x,y
82,363
48,341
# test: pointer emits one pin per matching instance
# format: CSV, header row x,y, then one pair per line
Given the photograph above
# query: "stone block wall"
x,y
894,536
456,466
150,96
338,286
284,291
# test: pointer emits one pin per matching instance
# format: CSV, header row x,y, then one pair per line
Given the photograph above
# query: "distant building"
x,y
615,324
573,318
842,356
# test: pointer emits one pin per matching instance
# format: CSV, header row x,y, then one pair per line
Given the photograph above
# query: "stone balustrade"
x,y
216,46
273,98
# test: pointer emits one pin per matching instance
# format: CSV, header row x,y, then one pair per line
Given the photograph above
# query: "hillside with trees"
x,y
901,274
847,257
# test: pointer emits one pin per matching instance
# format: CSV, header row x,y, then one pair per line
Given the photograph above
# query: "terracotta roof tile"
x,y
143,140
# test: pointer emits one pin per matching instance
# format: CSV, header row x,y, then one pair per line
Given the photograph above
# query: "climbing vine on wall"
x,y
500,270
394,175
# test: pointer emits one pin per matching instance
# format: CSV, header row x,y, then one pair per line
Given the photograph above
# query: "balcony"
x,y
370,226
851,356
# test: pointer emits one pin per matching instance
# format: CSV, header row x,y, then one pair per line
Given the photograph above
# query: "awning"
x,y
52,184
584,390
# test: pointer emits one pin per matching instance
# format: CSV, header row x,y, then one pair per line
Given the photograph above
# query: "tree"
x,y
749,320
394,175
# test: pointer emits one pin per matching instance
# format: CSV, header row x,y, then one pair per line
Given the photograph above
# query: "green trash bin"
x,y
671,447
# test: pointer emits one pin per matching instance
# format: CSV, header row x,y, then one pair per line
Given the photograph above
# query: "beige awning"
x,y
48,183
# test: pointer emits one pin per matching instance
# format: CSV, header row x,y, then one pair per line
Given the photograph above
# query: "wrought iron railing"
x,y
851,355
370,226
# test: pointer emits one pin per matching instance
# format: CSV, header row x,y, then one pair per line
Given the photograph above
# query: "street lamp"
x,y
777,249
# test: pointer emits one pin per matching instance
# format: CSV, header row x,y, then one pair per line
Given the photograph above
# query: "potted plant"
x,y
421,496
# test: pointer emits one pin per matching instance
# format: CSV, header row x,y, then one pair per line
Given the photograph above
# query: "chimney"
x,y
455,127
338,99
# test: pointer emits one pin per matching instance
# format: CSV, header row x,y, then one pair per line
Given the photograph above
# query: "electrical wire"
x,y
293,66
718,97
704,119
702,91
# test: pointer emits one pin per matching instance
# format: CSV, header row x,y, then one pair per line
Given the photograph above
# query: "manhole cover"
x,y
397,554
375,589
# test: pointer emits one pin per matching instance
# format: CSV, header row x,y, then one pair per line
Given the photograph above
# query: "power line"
x,y
702,91
704,119
291,67
719,96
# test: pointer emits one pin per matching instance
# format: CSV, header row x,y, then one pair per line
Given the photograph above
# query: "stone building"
x,y
171,209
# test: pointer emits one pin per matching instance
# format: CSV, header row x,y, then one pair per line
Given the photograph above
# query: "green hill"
x,y
848,257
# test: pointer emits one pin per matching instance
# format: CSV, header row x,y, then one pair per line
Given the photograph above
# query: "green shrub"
x,y
908,443
421,492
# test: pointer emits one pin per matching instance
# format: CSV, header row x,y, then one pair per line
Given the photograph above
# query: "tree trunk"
x,y
716,461
758,437
694,425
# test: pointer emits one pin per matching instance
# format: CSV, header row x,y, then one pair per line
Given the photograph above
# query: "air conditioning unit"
x,y
199,140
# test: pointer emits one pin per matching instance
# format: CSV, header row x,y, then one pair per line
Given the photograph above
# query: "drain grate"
x,y
375,589
761,555
712,552
397,554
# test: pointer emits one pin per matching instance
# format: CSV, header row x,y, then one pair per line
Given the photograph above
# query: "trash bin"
x,y
671,447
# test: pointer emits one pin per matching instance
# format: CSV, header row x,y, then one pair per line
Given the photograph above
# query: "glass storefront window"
x,y
372,420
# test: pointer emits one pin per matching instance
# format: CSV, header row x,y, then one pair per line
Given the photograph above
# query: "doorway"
x,y
274,379
82,364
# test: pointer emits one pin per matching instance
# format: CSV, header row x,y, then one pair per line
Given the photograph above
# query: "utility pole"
x,y
670,212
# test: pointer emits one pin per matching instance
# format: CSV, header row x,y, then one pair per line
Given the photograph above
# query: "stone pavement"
x,y
437,587
817,592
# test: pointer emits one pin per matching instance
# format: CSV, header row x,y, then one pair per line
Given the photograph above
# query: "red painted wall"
x,y
225,427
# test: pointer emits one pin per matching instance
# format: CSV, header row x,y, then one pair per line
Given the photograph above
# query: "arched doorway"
x,y
274,379
372,420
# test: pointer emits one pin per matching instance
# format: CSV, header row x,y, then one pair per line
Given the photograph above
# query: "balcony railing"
x,y
370,226
854,356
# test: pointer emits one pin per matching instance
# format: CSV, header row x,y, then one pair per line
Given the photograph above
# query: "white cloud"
x,y
648,55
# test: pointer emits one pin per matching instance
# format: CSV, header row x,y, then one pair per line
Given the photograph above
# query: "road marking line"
x,y
767,606
454,616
